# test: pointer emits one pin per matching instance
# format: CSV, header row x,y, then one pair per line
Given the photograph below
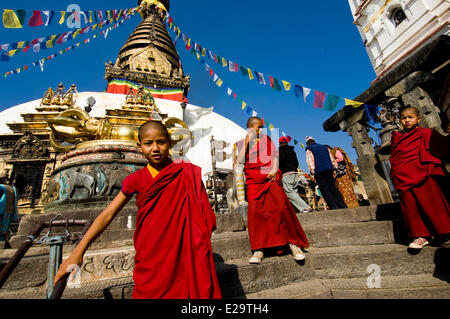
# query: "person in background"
x,y
417,156
289,166
345,177
322,164
272,222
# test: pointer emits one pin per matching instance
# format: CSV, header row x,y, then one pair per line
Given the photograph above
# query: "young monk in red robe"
x,y
416,164
174,258
271,219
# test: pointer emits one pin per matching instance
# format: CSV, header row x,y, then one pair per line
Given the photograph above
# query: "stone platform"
x,y
345,244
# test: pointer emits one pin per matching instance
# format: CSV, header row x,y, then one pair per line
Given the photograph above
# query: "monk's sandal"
x,y
297,252
418,243
257,257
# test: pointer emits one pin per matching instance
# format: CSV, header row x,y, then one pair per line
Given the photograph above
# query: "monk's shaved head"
x,y
157,125
411,108
252,120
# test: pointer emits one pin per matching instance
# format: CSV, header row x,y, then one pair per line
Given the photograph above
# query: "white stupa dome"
x,y
202,122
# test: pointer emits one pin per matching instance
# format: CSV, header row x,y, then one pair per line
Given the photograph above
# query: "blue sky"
x,y
310,43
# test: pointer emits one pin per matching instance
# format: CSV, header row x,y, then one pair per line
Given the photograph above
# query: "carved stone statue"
x,y
130,99
52,191
114,178
79,179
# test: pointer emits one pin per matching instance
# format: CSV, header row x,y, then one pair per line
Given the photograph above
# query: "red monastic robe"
x,y
271,219
415,160
174,258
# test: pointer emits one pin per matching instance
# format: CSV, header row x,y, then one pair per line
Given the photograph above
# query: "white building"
x,y
395,29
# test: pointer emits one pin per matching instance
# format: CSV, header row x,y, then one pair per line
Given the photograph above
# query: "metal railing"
x,y
55,255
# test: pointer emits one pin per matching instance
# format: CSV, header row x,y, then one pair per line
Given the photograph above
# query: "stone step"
x,y
334,263
122,227
237,244
424,286
106,262
237,277
392,260
352,215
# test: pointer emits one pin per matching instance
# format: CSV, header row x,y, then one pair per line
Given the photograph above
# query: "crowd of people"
x,y
175,221
331,184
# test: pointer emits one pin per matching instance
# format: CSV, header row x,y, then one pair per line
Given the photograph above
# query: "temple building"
x,y
408,44
49,144
149,58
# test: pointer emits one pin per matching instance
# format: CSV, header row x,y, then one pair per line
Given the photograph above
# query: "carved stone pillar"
x,y
420,99
371,171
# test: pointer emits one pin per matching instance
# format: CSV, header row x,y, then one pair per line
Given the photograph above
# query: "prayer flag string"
x,y
322,100
10,50
15,19
41,62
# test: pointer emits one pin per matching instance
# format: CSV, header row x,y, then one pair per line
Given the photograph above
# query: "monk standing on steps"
x,y
416,165
174,258
271,219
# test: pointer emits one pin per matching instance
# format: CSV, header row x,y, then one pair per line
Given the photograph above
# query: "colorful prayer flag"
x,y
244,70
49,15
36,19
63,16
353,103
260,78
12,20
224,62
271,127
287,85
219,82
331,102
250,74
276,85
371,112
300,91
319,99
243,105
232,67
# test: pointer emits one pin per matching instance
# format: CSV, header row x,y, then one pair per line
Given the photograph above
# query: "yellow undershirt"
x,y
152,170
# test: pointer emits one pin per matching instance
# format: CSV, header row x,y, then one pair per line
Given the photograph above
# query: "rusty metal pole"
x,y
28,242
58,289
20,252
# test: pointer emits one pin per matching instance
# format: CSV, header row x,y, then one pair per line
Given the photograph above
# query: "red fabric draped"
x,y
271,219
415,164
174,224
415,156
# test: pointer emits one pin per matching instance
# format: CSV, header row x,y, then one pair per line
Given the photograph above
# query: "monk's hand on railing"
x,y
67,266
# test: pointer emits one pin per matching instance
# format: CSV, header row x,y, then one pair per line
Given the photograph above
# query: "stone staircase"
x,y
348,247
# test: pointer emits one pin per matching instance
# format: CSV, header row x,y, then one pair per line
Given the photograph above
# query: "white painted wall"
x,y
387,44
